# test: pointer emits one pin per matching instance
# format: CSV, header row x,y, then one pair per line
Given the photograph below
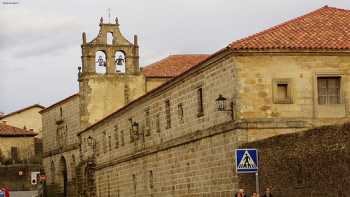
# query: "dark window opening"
x,y
116,136
147,122
180,112
167,114
158,123
200,102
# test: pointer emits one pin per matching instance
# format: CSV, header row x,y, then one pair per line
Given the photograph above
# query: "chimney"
x,y
4,122
25,128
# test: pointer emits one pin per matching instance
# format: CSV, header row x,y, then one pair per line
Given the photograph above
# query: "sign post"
x,y
247,162
257,183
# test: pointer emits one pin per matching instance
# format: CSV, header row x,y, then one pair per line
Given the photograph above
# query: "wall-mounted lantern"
x,y
135,127
90,141
221,105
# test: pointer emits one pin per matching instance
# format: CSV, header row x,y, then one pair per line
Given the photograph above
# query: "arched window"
x,y
101,62
109,38
52,172
120,61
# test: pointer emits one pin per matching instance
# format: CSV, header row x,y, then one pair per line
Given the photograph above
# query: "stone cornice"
x,y
61,150
212,131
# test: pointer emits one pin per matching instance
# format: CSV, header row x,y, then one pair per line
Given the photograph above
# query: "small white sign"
x,y
33,179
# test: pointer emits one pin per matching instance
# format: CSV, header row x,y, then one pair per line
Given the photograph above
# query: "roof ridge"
x,y
21,110
341,9
268,30
188,54
59,102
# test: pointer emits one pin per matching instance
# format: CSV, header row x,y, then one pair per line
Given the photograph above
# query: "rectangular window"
x,y
132,135
167,114
104,142
110,142
122,138
151,179
157,123
116,136
282,91
328,90
14,153
97,144
180,112
134,182
147,122
200,108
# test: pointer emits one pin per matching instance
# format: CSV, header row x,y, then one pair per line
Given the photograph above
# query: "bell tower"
x,y
110,76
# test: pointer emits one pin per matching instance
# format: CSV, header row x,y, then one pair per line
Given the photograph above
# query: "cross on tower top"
x,y
109,15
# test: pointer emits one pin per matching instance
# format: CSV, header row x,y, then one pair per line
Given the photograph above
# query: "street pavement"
x,y
23,194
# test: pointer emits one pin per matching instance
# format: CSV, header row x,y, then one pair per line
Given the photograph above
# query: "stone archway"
x,y
63,177
88,180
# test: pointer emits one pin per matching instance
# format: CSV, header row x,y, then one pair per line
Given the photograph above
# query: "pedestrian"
x,y
254,194
240,193
267,192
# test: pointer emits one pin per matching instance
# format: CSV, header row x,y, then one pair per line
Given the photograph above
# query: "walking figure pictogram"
x,y
246,160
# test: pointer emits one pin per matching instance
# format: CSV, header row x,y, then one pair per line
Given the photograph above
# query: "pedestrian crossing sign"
x,y
246,160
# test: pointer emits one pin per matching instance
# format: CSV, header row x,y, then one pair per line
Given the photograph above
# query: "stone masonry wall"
x,y
244,80
312,163
69,124
201,167
256,73
114,137
61,146
16,181
24,145
115,140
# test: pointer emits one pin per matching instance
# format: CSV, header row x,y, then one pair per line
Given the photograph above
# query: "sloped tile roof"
x,y
322,29
11,131
173,65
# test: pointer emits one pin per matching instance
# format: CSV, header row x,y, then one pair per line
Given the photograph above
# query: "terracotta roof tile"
x,y
325,28
173,65
11,131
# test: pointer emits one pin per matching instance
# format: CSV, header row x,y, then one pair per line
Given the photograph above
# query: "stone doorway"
x,y
64,178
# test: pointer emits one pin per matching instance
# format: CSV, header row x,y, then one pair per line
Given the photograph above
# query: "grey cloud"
x,y
40,39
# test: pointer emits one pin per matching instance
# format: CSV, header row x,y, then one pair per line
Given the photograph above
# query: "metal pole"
x,y
257,182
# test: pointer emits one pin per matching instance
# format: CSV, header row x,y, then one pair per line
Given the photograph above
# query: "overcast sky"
x,y
40,39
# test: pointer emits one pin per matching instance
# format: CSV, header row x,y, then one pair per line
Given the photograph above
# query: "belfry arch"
x,y
101,62
120,61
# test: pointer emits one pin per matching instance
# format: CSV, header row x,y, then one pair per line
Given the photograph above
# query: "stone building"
x,y
178,138
16,144
109,78
309,163
28,117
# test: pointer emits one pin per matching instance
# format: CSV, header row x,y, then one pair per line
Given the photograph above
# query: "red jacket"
x,y
7,191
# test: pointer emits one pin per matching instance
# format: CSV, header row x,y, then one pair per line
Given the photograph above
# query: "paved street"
x,y
23,194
